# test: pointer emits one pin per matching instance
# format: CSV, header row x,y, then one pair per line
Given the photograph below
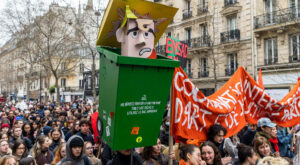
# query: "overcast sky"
x,y
73,3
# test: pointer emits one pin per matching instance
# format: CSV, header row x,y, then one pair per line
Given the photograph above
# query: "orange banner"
x,y
240,101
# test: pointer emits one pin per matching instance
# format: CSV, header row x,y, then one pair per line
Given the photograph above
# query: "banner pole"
x,y
170,127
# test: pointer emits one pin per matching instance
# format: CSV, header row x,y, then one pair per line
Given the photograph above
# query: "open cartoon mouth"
x,y
144,50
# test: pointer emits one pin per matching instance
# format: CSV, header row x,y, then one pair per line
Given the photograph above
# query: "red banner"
x,y
240,101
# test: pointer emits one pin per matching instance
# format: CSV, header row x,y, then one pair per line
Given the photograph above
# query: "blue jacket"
x,y
284,141
248,137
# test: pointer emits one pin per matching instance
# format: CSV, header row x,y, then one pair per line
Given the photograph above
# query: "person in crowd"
x,y
28,131
210,154
274,141
264,129
18,123
5,128
230,146
60,153
27,161
57,139
74,152
284,141
11,118
75,129
17,134
85,131
8,160
190,155
88,150
4,148
153,155
19,149
262,147
40,150
123,157
248,136
246,155
216,135
4,136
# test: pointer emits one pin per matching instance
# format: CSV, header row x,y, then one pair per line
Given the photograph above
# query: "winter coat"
x,y
248,137
121,159
81,160
87,137
284,141
27,142
42,159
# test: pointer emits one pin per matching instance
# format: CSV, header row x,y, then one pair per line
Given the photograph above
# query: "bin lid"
x,y
114,55
114,14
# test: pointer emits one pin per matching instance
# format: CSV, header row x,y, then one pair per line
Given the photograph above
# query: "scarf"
x,y
182,162
274,141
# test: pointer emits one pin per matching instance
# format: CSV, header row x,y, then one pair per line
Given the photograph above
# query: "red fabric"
x,y
153,55
5,125
260,81
182,162
240,101
94,118
274,141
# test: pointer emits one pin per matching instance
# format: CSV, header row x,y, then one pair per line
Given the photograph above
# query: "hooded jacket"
x,y
81,160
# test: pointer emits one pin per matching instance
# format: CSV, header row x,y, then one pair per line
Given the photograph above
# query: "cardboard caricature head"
x,y
137,38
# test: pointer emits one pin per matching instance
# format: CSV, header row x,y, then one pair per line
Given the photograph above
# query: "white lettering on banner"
x,y
178,104
194,116
185,88
203,119
176,81
187,111
236,90
220,115
195,96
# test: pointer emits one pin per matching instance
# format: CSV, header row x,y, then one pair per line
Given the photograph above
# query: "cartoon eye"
x,y
134,34
146,34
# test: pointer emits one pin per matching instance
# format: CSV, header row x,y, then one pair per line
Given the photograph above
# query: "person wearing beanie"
x,y
74,151
5,127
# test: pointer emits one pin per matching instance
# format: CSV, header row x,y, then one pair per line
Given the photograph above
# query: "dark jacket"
x,y
248,137
107,154
81,160
121,159
87,137
54,145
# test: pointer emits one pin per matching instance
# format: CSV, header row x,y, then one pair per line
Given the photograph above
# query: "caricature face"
x,y
137,38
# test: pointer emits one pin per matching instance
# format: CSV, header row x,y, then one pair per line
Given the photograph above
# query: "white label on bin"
x,y
109,121
107,131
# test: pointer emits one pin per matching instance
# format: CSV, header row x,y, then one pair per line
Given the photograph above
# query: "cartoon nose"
x,y
141,40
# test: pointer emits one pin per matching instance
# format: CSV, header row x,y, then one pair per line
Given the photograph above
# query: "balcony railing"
x,y
277,17
157,0
203,41
70,89
229,2
294,58
203,8
229,71
187,14
271,61
203,74
229,36
189,74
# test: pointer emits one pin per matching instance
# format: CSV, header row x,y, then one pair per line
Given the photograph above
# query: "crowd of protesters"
x,y
61,134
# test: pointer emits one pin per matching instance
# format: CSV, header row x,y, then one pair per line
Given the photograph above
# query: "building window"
x,y
188,35
271,56
63,83
203,29
229,2
89,83
189,68
295,48
231,64
81,68
294,6
169,34
270,13
231,22
203,68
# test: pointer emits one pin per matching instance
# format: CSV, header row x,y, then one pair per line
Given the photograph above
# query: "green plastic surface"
x,y
133,96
